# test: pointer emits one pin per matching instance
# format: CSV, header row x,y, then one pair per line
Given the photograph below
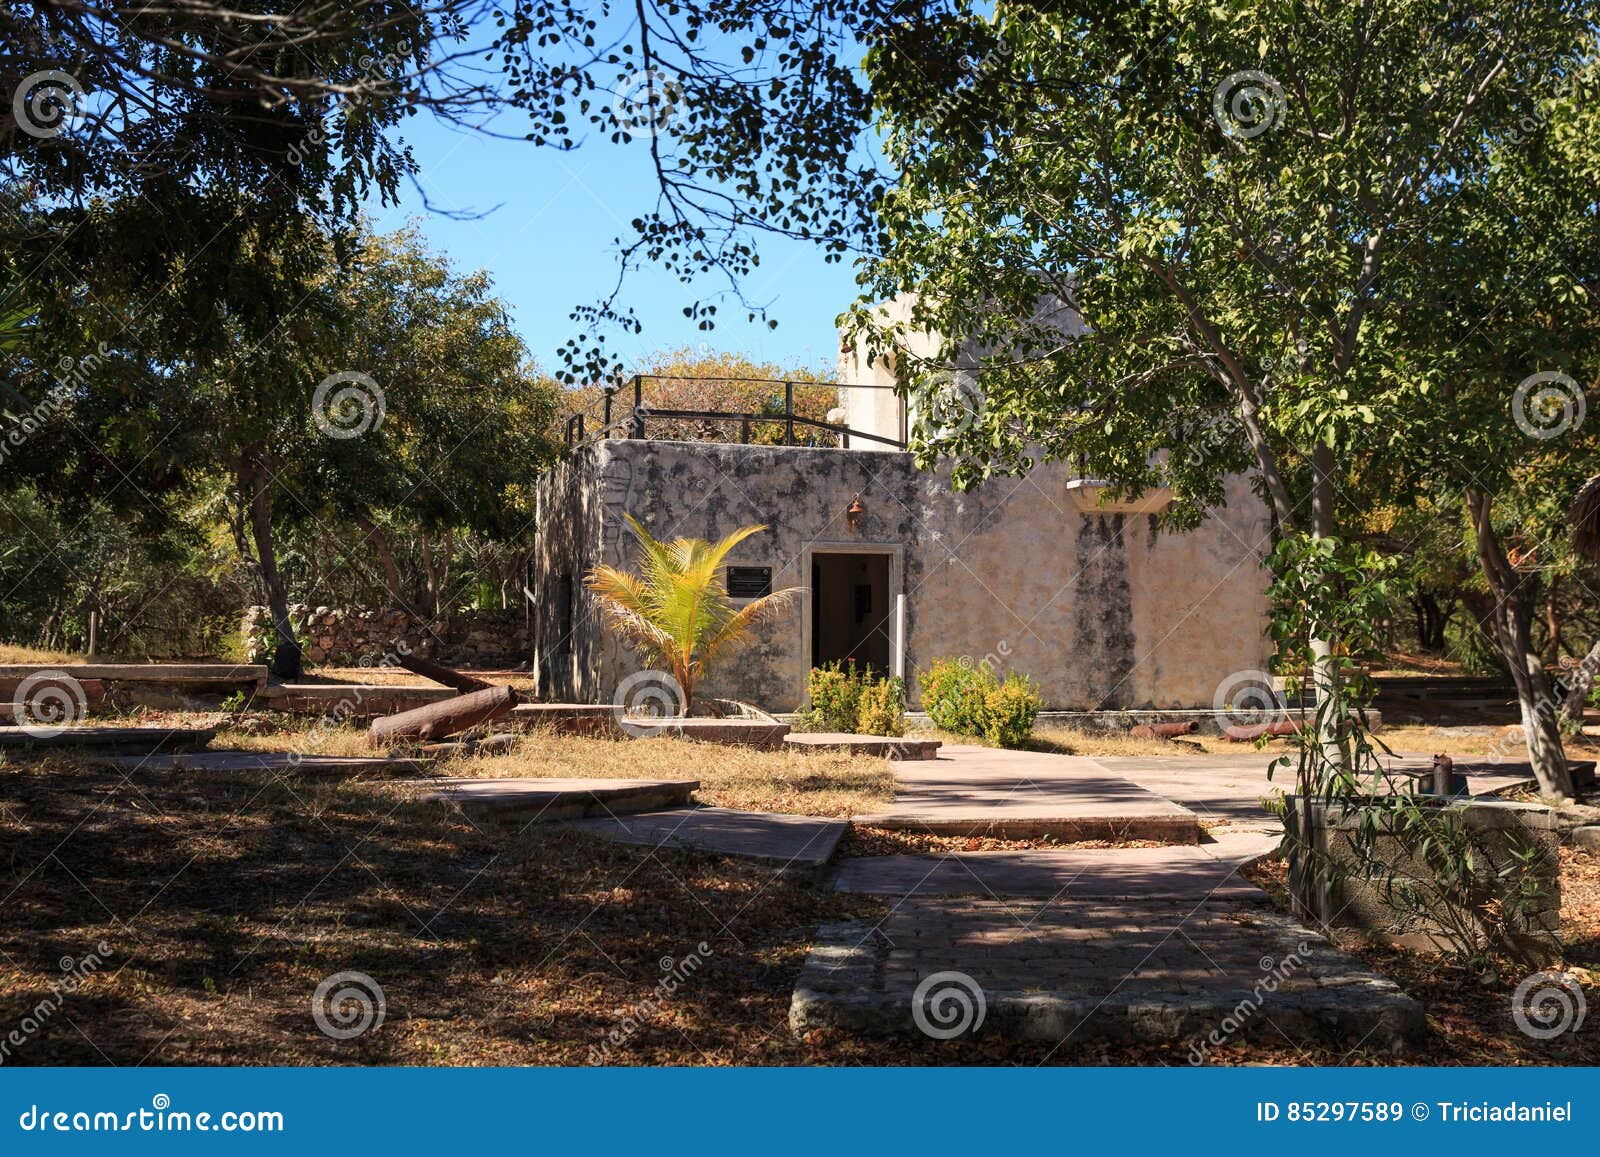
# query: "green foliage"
x,y
967,699
845,698
676,610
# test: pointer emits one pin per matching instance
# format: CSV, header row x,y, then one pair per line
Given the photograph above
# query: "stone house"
x,y
1037,574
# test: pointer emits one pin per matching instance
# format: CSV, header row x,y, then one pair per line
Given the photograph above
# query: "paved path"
x,y
971,790
535,800
798,845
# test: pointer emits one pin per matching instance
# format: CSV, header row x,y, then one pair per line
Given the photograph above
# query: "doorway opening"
x,y
851,610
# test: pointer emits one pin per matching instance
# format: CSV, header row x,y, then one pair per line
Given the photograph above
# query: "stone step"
x,y
331,766
169,674
881,746
129,740
536,800
352,700
1074,971
797,845
1168,873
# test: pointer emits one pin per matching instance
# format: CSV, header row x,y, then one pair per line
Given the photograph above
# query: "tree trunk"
x,y
1431,621
1513,631
286,652
1324,671
391,573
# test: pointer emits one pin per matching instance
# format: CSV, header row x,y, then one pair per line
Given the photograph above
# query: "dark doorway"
x,y
850,610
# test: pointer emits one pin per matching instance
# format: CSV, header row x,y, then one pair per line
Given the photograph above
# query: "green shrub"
x,y
964,699
1009,711
851,700
882,708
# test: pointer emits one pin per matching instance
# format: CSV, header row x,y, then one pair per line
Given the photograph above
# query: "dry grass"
x,y
11,653
819,783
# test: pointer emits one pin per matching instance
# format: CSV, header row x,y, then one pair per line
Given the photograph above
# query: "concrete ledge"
x,y
1587,838
799,846
881,746
351,700
324,766
1180,827
162,673
549,800
131,740
597,719
727,732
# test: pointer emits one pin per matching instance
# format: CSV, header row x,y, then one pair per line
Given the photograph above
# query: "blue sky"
x,y
549,244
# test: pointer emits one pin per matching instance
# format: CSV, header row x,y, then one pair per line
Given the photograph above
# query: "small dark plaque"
x,y
749,582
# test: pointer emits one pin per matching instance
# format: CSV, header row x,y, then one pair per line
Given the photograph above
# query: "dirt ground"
x,y
222,902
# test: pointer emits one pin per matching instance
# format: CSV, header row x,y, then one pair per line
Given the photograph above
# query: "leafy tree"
x,y
676,610
1245,203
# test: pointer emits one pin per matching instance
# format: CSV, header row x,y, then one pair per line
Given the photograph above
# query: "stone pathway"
x,y
972,791
797,845
1072,944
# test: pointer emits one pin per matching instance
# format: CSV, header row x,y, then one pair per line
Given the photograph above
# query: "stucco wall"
x,y
1101,608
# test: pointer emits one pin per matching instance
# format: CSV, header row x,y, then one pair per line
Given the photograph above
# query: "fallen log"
x,y
446,717
1282,729
1164,730
441,674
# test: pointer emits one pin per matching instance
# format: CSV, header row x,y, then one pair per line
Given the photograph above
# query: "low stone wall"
x,y
362,636
1517,861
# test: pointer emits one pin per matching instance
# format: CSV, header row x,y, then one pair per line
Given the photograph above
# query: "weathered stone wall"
x,y
360,636
1100,607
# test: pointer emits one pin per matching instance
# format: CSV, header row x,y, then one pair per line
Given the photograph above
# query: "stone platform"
x,y
331,766
599,719
533,800
351,700
131,740
797,845
1068,972
983,791
880,746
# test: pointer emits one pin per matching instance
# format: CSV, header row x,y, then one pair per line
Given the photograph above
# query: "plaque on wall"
x,y
749,582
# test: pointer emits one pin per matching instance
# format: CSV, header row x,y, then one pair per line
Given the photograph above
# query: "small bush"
x,y
964,699
883,708
846,699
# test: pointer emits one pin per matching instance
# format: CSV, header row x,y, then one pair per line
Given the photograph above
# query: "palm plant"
x,y
676,612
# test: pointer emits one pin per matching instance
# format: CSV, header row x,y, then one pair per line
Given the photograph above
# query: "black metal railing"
x,y
635,421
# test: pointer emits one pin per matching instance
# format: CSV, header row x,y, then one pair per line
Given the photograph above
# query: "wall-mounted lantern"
x,y
853,513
